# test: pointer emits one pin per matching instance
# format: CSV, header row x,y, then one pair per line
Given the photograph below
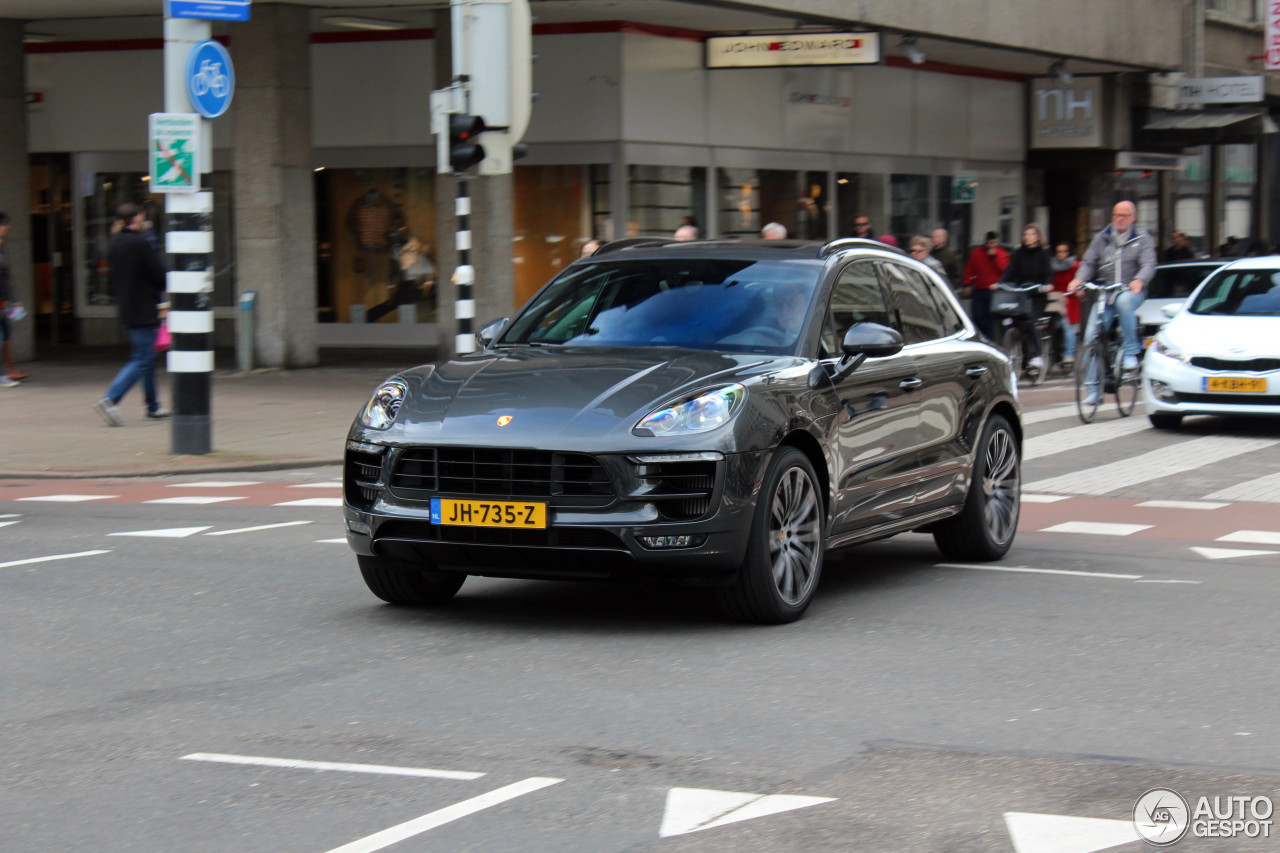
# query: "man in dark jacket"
x,y
137,281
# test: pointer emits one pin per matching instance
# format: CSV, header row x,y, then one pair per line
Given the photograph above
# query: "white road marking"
x,y
1262,490
68,498
313,502
7,523
1030,570
298,764
259,527
1174,459
332,541
1085,435
1051,833
168,533
1256,537
1228,553
1097,528
336,484
216,484
195,499
1044,499
1183,504
11,515
695,809
1050,413
440,817
1166,580
31,560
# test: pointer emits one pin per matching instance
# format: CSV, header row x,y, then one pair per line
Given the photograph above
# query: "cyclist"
x,y
1120,252
1029,264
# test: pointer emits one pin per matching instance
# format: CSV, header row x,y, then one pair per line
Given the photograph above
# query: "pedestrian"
x,y
919,247
774,231
1180,249
888,240
137,281
1064,266
985,265
941,249
1120,252
1029,264
12,373
686,233
862,227
589,248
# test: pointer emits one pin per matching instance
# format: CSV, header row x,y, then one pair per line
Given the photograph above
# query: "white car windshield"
x,y
1240,293
699,303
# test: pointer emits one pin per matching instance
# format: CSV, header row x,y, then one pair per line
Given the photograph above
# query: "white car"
x,y
1220,353
1172,283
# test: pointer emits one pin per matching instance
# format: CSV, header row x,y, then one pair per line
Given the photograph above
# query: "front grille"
x,y
565,479
680,490
1252,365
361,475
1231,399
551,537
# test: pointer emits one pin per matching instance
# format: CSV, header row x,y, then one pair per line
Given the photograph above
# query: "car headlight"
x,y
1162,346
380,411
699,412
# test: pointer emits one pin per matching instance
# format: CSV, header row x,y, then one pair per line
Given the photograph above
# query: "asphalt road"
x,y
171,692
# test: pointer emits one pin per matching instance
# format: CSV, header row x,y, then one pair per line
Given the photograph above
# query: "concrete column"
x,y
15,179
274,189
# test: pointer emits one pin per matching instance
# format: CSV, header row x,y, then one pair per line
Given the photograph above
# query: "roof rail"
x,y
842,243
630,243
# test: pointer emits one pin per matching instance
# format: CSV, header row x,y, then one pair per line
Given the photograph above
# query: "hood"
x,y
1204,334
555,393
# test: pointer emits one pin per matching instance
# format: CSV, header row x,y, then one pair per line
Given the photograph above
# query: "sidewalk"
x,y
262,420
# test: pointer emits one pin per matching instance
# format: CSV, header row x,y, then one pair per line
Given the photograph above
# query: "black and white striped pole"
x,y
465,275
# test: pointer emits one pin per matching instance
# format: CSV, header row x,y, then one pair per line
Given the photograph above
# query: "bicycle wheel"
x,y
1011,343
1090,375
1128,384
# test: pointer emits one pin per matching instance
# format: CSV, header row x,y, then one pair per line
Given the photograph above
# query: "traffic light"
x,y
464,149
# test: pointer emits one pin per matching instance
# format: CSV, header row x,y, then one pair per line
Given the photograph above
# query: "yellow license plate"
x,y
1236,384
524,515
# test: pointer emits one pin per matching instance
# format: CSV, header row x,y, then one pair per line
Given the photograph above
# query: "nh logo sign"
x,y
1064,105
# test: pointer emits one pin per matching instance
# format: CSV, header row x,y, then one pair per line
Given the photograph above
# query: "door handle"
x,y
910,384
975,372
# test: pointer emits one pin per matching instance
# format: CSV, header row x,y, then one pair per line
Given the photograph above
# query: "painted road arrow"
x,y
1051,833
694,809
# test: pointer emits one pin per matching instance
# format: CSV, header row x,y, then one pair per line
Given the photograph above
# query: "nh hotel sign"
x,y
1067,115
771,51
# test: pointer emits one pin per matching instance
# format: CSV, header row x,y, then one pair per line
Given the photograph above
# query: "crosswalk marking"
x,y
68,498
259,527
51,558
1183,504
1254,537
1228,553
298,764
1077,437
1175,459
7,523
312,502
1044,499
1262,490
331,541
1097,528
336,484
168,533
1050,413
194,500
216,484
1032,571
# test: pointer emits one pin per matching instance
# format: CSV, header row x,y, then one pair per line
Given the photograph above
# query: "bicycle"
x,y
1014,307
1100,362
210,79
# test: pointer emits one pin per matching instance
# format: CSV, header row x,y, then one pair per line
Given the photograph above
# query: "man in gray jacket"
x,y
1120,252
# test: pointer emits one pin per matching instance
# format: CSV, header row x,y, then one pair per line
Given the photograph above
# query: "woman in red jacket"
x,y
1064,266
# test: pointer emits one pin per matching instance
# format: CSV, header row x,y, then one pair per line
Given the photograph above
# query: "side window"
x,y
856,298
952,322
917,311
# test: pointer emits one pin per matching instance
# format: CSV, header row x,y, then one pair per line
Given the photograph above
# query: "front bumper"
x,y
1171,386
579,542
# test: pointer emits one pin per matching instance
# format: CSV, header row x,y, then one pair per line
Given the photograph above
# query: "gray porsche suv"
x,y
712,413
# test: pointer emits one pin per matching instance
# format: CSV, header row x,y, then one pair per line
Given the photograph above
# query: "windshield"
x,y
737,305
1177,282
1240,293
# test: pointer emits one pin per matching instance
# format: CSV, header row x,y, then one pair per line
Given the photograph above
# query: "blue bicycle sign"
x,y
211,80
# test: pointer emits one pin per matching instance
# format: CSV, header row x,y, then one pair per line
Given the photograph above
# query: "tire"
x,y
1089,377
1128,386
785,546
1012,345
985,528
1164,420
408,583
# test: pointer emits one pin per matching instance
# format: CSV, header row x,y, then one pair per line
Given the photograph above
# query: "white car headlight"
x,y
380,411
705,410
1162,346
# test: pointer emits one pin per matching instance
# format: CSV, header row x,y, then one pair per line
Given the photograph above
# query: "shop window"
x,y
665,197
751,198
955,209
112,189
908,206
375,257
557,210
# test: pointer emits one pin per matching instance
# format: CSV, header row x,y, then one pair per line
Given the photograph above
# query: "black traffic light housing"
x,y
464,150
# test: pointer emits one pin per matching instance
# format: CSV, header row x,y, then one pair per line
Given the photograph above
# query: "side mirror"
x,y
1171,309
489,333
862,341
871,340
